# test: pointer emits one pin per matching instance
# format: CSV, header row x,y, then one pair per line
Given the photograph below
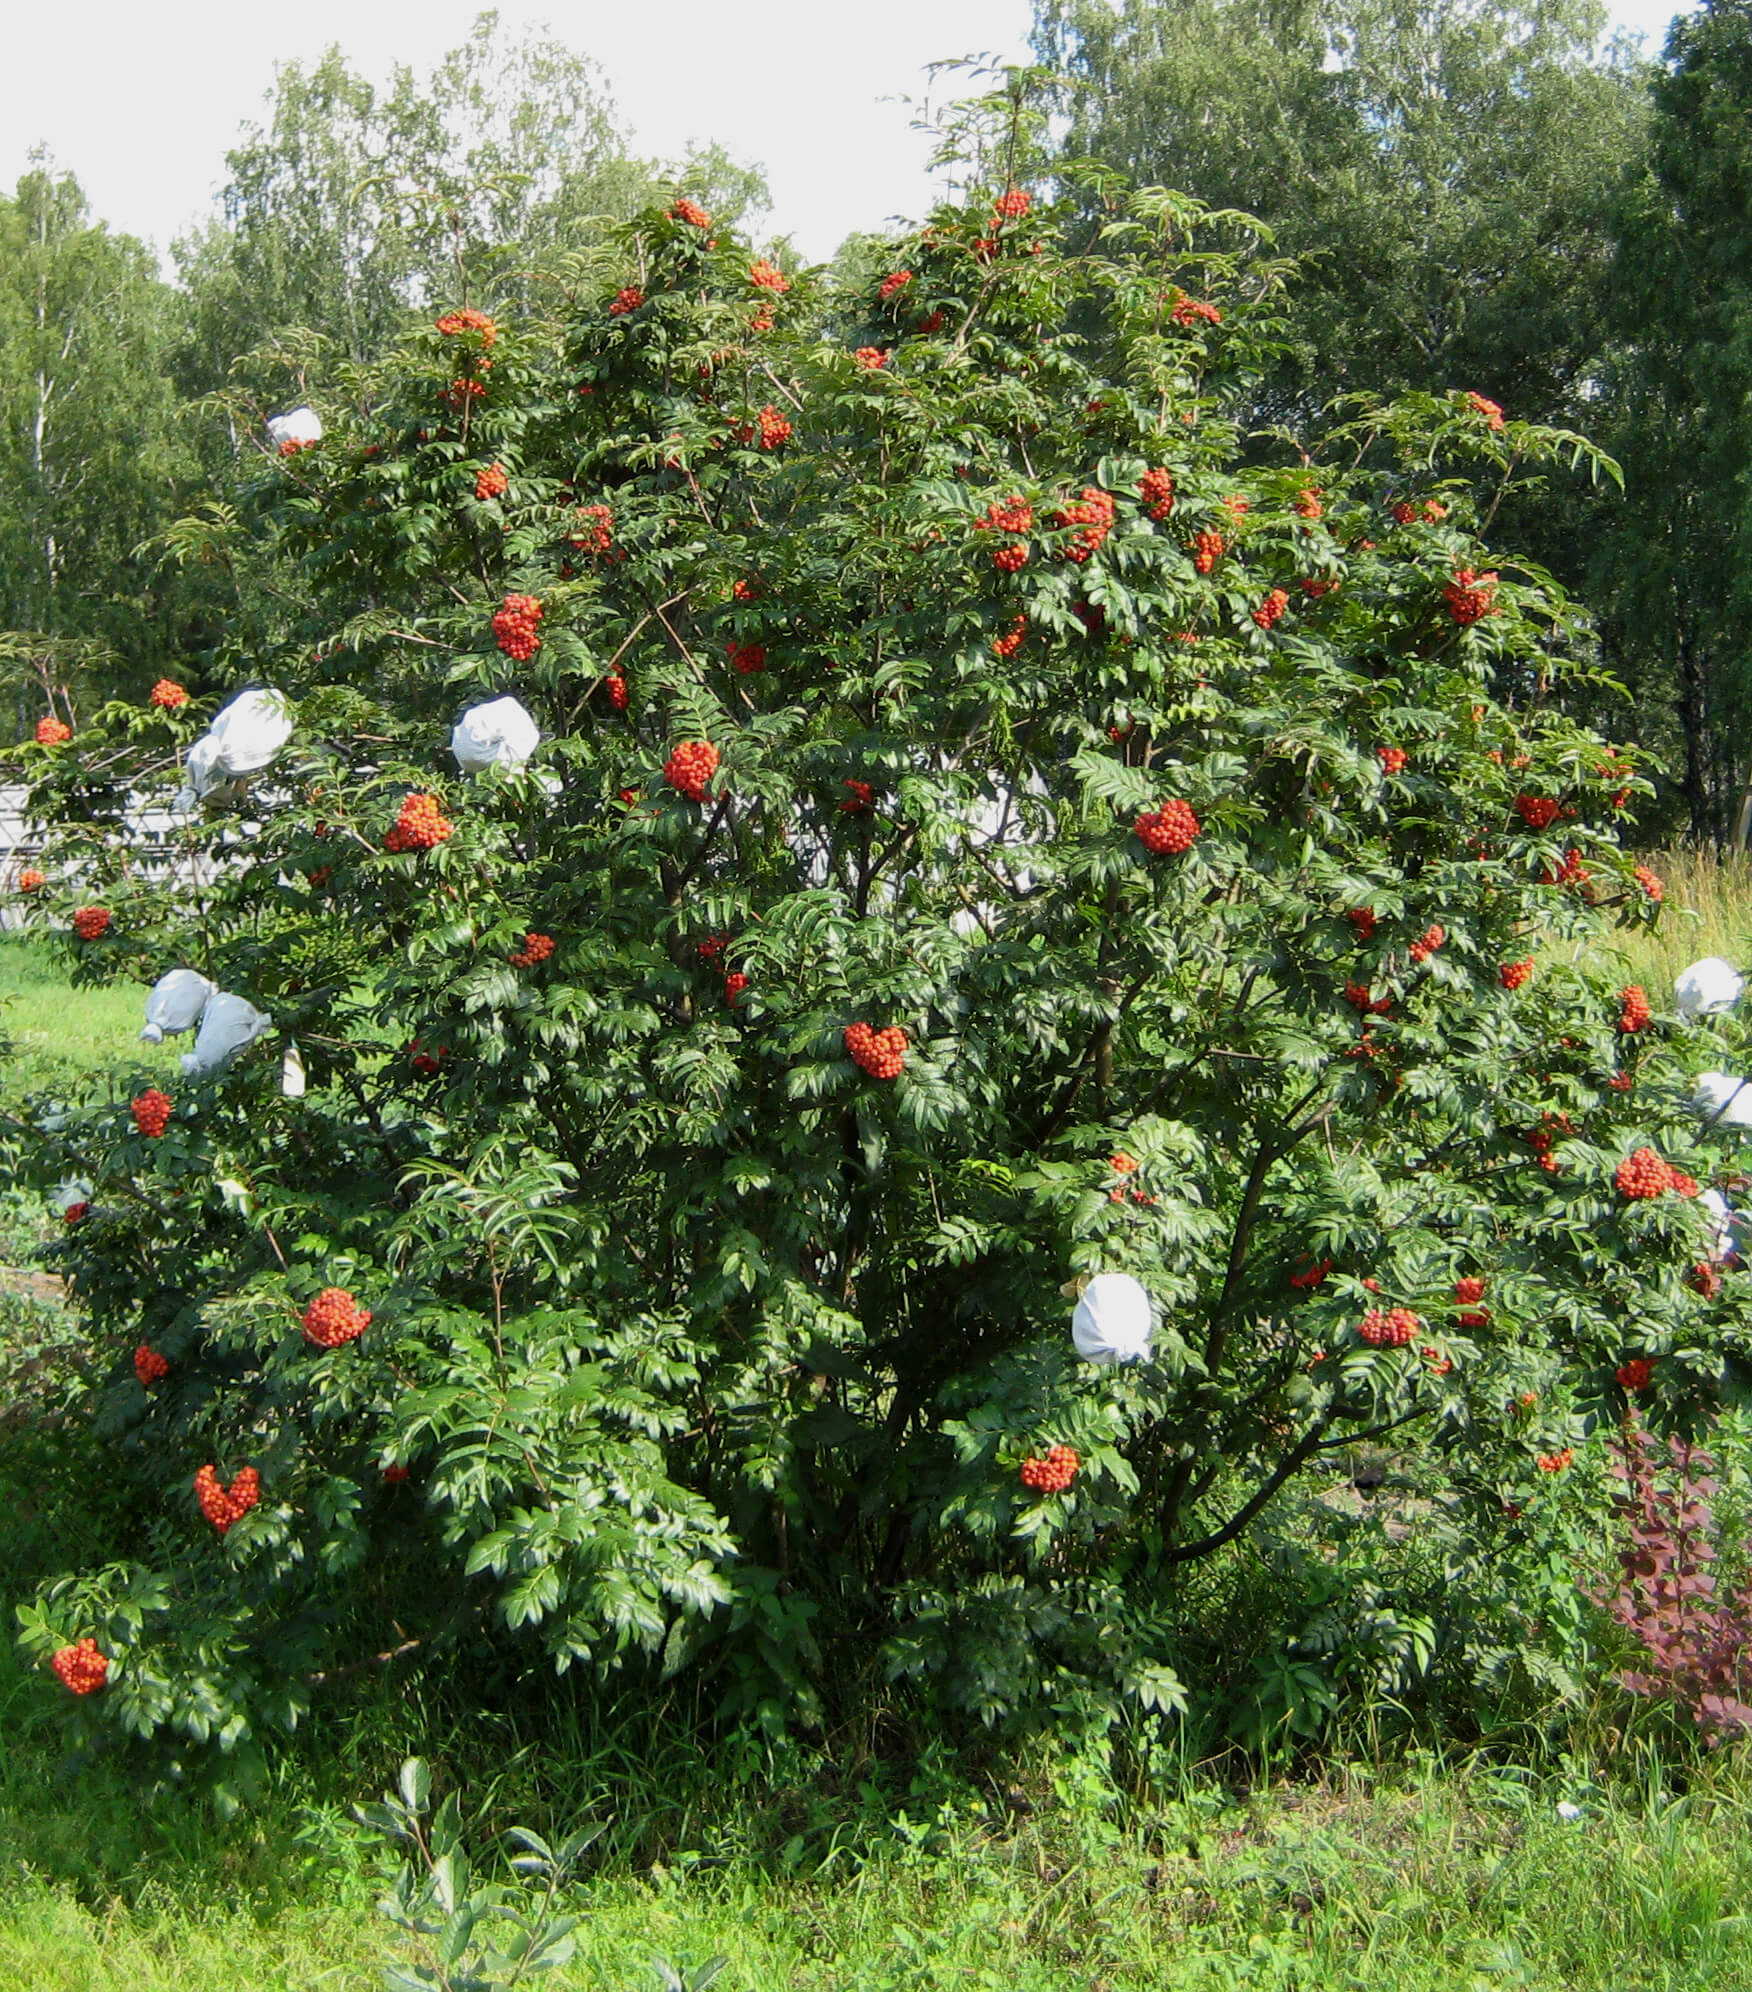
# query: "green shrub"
x,y
1115,831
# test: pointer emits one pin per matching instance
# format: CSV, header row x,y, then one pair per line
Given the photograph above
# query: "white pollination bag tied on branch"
x,y
1708,988
175,1004
297,425
500,734
1722,1100
242,740
1724,1223
251,731
227,1024
1112,1323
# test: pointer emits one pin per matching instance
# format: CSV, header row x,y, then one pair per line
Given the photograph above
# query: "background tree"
x,y
87,441
1674,569
1445,172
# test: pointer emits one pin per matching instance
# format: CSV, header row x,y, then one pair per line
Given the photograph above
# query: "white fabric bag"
x,y
201,775
175,1004
228,1023
250,731
1722,1100
1724,1223
1111,1323
1708,988
500,734
297,425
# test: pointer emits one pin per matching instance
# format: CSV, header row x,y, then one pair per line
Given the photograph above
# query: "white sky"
x,y
140,98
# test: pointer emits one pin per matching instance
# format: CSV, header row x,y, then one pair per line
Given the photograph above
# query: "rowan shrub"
x,y
718,1333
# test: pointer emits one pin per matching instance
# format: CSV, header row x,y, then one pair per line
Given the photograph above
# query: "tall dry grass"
x,y
1707,911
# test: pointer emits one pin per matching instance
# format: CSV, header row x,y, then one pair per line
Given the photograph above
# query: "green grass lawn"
x,y
1429,1881
59,1035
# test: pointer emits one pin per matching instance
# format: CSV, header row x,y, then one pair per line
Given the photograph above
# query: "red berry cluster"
x,y
454,322
1392,759
1572,872
1168,829
1011,557
617,691
1470,596
1554,1462
1490,410
169,694
1156,491
1390,1330
1653,885
1010,642
1427,943
1306,504
1356,994
691,767
1271,608
625,300
420,826
1316,586
881,1053
151,1112
224,1505
774,429
515,626
149,1365
90,922
1006,515
32,880
764,276
1236,506
1704,1278
462,391
1207,549
535,948
1053,1473
491,482
691,212
746,658
334,1317
1363,919
1312,1274
746,590
297,445
1012,205
860,798
1438,1362
395,1473
76,1213
592,529
871,358
1092,514
1621,1082
762,321
1469,1291
1538,812
1190,310
1643,1174
1513,973
1634,1013
1637,1374
734,984
426,1063
51,732
896,280
80,1667
1122,1164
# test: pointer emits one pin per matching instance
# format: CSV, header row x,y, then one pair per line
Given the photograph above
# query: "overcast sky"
x,y
141,99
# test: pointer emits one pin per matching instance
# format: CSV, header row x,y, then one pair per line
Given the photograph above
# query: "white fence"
x,y
148,829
